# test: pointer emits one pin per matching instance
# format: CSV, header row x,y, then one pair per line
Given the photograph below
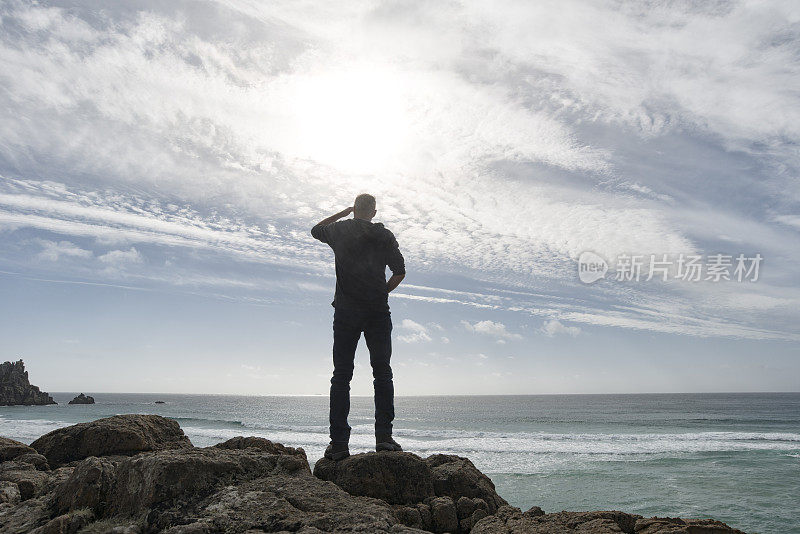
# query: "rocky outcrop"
x,y
135,474
397,478
120,435
82,399
15,388
440,493
509,520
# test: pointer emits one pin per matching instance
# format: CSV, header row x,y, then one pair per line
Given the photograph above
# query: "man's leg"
x,y
346,333
378,333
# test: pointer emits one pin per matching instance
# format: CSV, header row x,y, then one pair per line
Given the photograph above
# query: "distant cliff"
x,y
16,389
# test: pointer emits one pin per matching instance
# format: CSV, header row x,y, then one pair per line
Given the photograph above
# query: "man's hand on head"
x,y
333,218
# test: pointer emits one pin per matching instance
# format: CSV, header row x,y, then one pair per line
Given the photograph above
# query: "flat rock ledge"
x,y
139,474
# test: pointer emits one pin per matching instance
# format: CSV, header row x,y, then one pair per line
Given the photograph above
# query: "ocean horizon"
x,y
734,457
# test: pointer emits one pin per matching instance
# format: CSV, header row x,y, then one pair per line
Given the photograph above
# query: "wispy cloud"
x,y
55,250
491,328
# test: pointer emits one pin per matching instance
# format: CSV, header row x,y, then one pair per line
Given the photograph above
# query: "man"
x,y
363,250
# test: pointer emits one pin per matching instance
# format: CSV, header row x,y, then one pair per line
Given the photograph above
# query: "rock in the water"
x,y
16,389
82,399
120,435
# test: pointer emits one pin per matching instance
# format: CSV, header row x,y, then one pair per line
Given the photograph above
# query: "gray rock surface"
x,y
15,388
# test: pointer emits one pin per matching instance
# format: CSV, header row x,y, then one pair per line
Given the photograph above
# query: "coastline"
x,y
561,453
140,474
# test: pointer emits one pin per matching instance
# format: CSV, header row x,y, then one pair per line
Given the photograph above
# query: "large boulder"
x,y
117,435
15,388
178,478
394,477
440,493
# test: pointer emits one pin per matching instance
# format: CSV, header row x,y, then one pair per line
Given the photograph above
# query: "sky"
x,y
162,163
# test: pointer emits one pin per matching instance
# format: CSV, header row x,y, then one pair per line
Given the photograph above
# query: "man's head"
x,y
364,207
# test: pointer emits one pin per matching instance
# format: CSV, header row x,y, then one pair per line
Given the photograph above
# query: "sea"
x,y
728,456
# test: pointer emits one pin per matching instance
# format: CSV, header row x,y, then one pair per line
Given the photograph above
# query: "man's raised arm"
x,y
318,231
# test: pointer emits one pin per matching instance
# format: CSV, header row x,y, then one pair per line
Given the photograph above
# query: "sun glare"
x,y
355,120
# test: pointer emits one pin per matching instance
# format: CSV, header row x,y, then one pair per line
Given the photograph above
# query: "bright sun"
x,y
355,119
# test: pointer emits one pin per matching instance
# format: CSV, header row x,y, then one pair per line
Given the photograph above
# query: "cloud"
x,y
555,327
56,250
415,332
491,328
119,258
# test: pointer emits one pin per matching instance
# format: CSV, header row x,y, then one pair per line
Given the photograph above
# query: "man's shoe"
x,y
386,443
337,450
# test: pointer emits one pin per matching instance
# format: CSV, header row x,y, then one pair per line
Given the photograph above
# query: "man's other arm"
x,y
396,264
394,281
319,229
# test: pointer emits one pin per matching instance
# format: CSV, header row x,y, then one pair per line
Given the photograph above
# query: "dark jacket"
x,y
363,250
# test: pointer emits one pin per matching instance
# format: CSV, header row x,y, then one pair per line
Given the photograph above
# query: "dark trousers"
x,y
347,327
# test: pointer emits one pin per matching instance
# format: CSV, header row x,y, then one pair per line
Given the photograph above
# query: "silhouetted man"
x,y
363,250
